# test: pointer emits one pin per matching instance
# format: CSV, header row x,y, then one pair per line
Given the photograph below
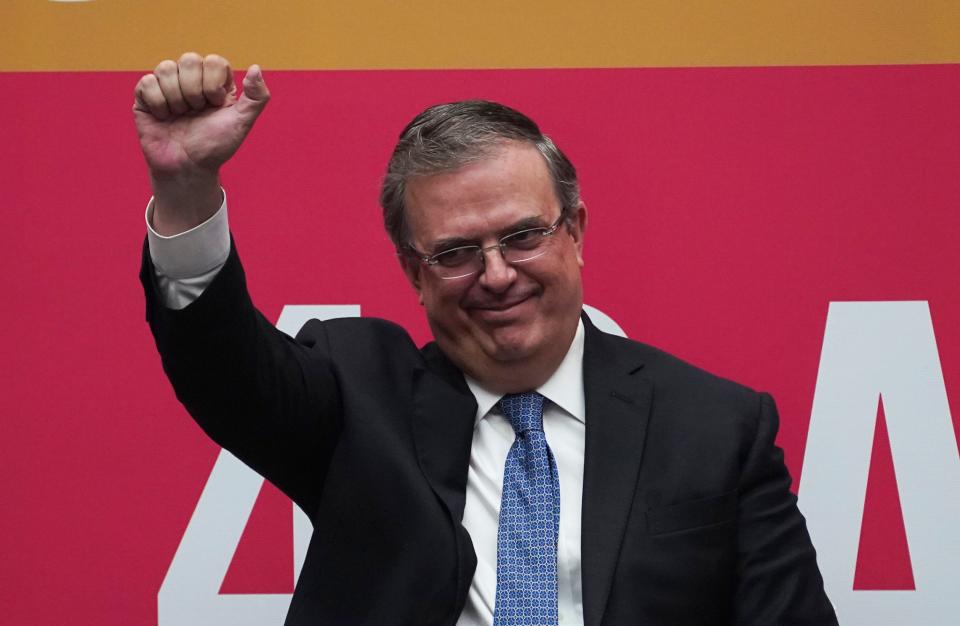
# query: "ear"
x,y
577,226
411,269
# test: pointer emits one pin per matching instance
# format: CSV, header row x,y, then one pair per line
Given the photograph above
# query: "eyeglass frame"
x,y
431,260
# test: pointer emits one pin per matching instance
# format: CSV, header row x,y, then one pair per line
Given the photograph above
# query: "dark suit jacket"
x,y
687,513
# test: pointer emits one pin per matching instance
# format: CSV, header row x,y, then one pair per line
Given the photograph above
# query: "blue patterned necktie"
x,y
529,521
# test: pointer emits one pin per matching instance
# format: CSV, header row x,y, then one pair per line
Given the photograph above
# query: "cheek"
x,y
442,304
563,293
564,280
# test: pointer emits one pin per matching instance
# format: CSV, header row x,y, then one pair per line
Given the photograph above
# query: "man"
x,y
523,469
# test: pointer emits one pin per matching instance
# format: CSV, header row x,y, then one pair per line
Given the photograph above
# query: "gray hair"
x,y
445,137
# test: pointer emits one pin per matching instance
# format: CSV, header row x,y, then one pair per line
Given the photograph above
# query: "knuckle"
x,y
214,60
165,68
190,58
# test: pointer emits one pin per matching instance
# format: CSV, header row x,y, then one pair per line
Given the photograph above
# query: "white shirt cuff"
x,y
191,253
185,264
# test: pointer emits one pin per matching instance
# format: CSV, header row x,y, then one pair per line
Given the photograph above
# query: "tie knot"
x,y
524,411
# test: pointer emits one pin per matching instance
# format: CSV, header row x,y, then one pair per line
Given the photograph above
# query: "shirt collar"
x,y
564,388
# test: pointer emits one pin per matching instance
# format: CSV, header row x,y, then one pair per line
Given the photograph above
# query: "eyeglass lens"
x,y
519,247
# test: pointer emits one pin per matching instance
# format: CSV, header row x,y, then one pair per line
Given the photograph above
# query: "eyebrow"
x,y
449,243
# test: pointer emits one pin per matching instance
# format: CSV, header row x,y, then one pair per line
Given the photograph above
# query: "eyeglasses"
x,y
462,261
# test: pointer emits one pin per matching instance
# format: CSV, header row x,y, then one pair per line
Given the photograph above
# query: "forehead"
x,y
510,184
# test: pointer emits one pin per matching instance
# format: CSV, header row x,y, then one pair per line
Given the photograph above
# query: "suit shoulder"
x,y
366,335
672,374
356,325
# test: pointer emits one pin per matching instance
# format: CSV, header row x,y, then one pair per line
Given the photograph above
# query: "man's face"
x,y
508,325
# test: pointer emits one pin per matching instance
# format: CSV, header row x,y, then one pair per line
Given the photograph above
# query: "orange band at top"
x,y
391,34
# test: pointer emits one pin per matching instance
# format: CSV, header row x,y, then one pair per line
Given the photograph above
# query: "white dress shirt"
x,y
188,262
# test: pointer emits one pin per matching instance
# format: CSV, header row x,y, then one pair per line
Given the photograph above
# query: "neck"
x,y
513,379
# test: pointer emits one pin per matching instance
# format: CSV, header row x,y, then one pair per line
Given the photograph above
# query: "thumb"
x,y
255,94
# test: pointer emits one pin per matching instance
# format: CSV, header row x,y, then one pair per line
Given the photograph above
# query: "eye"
x,y
455,257
525,239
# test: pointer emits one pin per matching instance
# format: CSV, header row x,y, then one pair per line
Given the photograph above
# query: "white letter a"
x,y
889,349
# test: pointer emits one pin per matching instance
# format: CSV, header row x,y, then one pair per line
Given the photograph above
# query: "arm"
x,y
778,581
272,401
268,399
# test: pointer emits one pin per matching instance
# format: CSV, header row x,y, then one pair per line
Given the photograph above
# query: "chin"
x,y
510,344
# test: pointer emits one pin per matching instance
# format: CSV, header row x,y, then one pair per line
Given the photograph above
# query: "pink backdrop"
x,y
728,208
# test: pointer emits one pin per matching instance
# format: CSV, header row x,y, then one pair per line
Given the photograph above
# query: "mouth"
x,y
502,312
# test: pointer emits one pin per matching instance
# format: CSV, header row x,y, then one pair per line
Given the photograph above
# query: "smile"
x,y
502,311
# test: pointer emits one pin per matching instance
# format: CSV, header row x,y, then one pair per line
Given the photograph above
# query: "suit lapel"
x,y
443,420
444,414
618,404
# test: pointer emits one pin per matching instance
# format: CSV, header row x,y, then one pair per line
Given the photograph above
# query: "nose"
x,y
497,275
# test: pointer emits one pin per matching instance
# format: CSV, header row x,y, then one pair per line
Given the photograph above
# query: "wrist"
x,y
184,201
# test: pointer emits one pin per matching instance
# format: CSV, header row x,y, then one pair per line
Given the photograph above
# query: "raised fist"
x,y
188,114
191,121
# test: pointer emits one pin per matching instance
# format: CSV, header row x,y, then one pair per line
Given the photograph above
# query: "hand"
x,y
191,121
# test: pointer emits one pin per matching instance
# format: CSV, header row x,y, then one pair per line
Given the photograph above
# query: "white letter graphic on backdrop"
x,y
872,349
190,592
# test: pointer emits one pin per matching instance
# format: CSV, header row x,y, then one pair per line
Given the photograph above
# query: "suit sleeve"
x,y
272,401
778,578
